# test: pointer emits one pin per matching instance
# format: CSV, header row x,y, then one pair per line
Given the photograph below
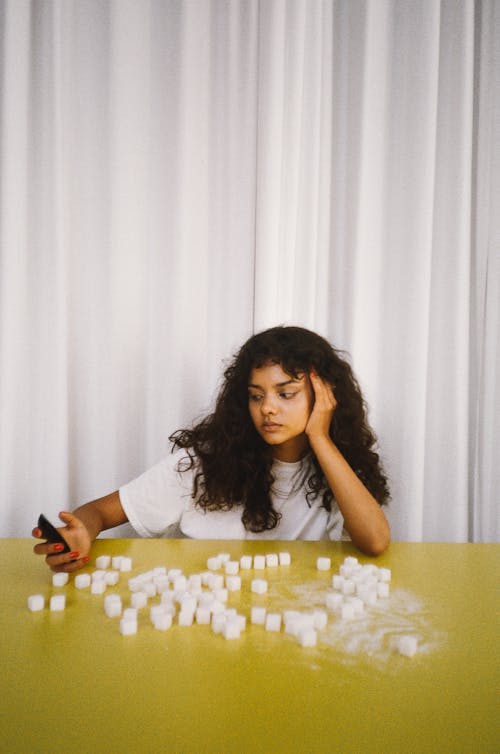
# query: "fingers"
x,y
56,559
48,548
67,567
69,519
323,390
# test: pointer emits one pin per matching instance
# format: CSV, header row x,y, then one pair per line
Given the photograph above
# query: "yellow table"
x,y
70,682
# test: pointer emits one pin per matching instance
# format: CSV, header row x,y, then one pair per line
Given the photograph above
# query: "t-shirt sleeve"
x,y
156,499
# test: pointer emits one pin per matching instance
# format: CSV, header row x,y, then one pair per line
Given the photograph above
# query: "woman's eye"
x,y
254,398
287,396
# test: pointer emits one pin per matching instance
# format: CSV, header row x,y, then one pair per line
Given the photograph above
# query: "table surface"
x,y
71,682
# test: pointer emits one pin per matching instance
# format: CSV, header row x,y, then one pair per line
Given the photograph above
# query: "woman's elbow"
x,y
376,544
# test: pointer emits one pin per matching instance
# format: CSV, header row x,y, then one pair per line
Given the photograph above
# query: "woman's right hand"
x,y
78,538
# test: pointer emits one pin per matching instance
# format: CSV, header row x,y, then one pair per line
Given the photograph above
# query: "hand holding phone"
x,y
50,533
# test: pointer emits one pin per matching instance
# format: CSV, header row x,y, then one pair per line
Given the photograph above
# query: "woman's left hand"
x,y
323,409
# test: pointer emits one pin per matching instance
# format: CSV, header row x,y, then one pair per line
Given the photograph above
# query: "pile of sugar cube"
x,y
202,598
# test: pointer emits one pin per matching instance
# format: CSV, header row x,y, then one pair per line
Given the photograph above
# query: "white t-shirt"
x,y
159,503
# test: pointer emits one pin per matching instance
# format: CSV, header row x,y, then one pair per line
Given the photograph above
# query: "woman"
x,y
286,454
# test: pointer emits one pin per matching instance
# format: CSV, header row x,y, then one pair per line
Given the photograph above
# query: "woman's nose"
x,y
267,406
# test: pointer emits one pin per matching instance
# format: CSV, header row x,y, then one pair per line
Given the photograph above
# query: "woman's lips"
x,y
271,427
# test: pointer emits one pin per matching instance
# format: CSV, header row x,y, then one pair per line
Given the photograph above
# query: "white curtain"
x,y
177,174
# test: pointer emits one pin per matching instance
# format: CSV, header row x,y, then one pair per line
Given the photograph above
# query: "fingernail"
x,y
74,555
37,533
86,559
59,547
313,373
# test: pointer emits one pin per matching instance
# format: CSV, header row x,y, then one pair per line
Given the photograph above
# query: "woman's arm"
x,y
81,528
363,516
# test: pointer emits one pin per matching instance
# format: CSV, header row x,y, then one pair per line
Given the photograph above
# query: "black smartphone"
x,y
51,534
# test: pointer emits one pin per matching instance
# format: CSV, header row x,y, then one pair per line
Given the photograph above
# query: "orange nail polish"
x,y
59,547
74,555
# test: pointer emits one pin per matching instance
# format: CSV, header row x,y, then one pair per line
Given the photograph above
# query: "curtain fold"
x,y
178,174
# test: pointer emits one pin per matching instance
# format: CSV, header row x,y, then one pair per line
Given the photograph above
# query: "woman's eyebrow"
x,y
277,385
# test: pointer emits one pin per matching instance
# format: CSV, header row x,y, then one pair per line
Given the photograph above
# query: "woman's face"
x,y
280,406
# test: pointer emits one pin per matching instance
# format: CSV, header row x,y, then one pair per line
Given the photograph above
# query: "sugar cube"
x,y
320,619
367,594
246,562
194,581
224,557
296,622
162,621
205,577
125,564
57,602
291,615
233,583
239,619
258,615
156,610
98,575
357,604
272,560
214,563
216,581
337,581
112,605
350,561
217,607
259,562
116,562
149,588
284,558
307,637
346,611
206,599
273,622
218,623
221,595
258,586
128,626
334,600
346,571
139,599
98,587
231,630
130,613
82,580
162,584
173,574
180,582
323,564
384,574
383,589
60,579
103,562
167,598
203,616
36,602
135,584
348,587
231,567
111,578
407,645
185,618
188,602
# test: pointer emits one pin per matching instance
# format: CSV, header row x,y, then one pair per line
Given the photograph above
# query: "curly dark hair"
x,y
233,464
